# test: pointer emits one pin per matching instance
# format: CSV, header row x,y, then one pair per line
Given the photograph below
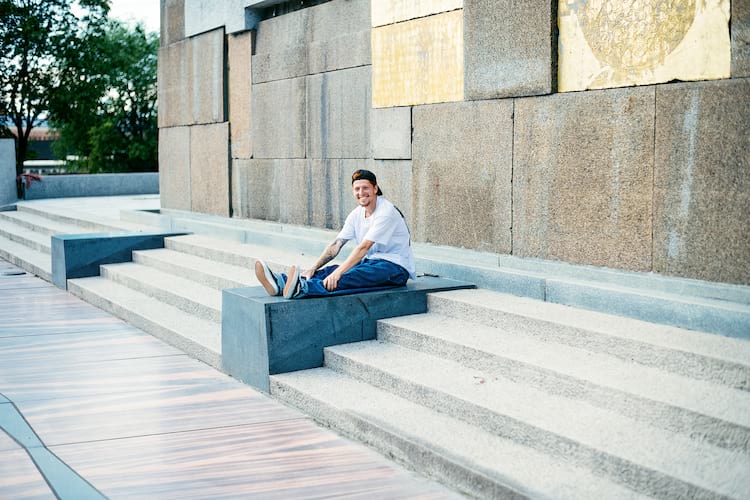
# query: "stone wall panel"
x,y
209,169
582,174
462,154
239,53
338,114
394,11
702,181
255,189
206,15
740,38
278,125
175,84
174,168
172,17
339,35
390,133
281,47
419,61
208,77
508,48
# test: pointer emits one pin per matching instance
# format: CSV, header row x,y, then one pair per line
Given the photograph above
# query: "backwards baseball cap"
x,y
366,175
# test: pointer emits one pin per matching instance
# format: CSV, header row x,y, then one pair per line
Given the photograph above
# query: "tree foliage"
x,y
32,34
105,108
93,78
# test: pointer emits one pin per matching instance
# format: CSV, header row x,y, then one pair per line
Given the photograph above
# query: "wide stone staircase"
x,y
493,394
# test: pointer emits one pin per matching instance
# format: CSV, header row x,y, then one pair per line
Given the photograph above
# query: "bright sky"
x,y
137,10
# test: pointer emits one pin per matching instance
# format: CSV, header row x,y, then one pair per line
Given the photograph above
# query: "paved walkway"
x,y
92,407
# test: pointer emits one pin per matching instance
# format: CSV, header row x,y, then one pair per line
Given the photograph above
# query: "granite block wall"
x,y
209,169
582,178
278,127
338,114
462,154
174,168
740,38
702,180
240,91
458,107
508,48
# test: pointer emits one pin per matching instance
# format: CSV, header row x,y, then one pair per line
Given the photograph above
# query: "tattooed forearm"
x,y
329,253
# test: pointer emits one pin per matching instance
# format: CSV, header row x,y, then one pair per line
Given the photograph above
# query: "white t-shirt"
x,y
387,229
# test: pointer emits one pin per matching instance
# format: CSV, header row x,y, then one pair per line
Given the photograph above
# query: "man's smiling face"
x,y
364,192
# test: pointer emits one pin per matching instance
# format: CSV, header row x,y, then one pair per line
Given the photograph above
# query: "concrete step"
x,y
568,429
26,237
197,337
39,224
237,254
447,449
205,271
711,412
28,259
185,294
86,221
712,358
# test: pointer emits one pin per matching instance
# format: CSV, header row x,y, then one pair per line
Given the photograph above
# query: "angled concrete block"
x,y
209,169
508,49
172,16
338,114
174,168
278,125
281,47
740,35
462,174
208,77
339,35
240,49
702,181
175,84
264,335
582,173
8,190
390,133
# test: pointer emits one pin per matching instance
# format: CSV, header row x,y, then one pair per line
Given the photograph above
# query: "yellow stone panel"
x,y
617,43
419,61
394,11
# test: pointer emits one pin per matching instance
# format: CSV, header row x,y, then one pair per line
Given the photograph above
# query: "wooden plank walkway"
x,y
92,407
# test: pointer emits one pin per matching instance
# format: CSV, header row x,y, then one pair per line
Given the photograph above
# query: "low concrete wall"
x,y
70,186
7,171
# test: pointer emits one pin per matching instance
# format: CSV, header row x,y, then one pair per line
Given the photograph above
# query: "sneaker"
x,y
292,286
267,278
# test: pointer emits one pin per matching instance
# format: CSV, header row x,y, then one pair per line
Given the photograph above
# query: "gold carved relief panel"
x,y
617,43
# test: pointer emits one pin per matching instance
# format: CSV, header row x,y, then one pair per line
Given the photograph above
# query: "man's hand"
x,y
307,274
332,281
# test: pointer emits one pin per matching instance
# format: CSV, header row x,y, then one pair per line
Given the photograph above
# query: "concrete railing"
x,y
75,185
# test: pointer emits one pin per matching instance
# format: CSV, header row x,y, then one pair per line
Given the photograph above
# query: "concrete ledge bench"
x,y
263,336
80,255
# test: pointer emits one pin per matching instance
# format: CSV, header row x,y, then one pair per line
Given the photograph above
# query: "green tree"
x,y
32,35
105,108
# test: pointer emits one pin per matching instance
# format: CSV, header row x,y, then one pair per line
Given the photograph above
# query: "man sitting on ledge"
x,y
382,258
